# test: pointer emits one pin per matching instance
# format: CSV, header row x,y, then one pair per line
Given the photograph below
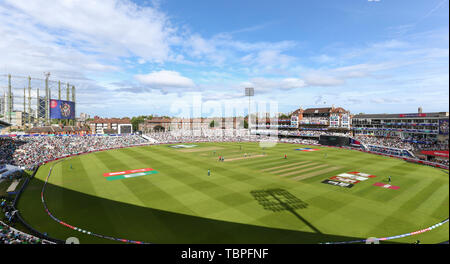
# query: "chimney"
x,y
420,110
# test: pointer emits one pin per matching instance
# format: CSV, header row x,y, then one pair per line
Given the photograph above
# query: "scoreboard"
x,y
334,141
125,129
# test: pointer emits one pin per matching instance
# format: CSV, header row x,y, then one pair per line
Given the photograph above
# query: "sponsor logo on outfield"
x,y
387,186
126,172
362,174
356,176
307,149
183,146
343,179
111,176
338,183
351,178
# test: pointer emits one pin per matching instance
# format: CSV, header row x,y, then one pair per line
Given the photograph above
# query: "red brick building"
x,y
117,125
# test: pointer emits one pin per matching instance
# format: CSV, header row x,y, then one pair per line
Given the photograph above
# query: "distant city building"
x,y
19,118
155,124
327,118
193,124
3,105
110,125
84,117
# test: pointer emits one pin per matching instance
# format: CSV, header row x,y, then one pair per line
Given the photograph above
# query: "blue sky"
x,y
149,57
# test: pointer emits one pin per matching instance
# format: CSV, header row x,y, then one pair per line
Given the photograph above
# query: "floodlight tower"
x,y
249,92
47,99
10,103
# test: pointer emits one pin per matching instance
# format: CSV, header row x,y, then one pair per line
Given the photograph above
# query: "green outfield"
x,y
255,195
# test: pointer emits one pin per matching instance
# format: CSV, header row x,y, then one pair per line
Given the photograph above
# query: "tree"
x,y
64,122
135,121
212,124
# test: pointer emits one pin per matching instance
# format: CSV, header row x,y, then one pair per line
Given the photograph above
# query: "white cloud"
x,y
222,49
266,85
385,100
167,81
322,79
270,58
100,67
323,58
291,83
110,41
390,44
111,27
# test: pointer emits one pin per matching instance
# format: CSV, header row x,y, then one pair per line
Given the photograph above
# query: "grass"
x,y
4,185
181,204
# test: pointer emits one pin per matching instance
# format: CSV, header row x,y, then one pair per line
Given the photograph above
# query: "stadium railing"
x,y
25,234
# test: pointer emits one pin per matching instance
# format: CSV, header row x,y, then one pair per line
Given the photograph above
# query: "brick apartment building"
x,y
110,125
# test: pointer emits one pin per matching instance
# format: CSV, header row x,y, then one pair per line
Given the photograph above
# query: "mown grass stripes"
x,y
181,202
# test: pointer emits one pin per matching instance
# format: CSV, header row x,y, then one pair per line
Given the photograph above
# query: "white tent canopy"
x,y
8,170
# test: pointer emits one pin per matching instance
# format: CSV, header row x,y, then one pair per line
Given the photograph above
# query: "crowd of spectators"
x,y
27,152
9,235
390,151
181,136
441,161
431,146
389,146
391,142
318,133
401,147
396,142
210,135
299,141
30,151
302,133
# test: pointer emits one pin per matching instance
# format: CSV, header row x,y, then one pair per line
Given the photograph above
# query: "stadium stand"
x,y
28,151
10,235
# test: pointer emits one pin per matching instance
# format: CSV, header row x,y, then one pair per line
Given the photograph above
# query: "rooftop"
x,y
410,115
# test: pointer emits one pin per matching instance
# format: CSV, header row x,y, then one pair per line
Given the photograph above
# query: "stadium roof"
x,y
317,110
51,129
191,120
410,115
320,110
158,120
99,120
109,131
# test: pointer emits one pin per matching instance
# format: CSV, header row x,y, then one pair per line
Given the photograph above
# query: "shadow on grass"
x,y
277,200
121,220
